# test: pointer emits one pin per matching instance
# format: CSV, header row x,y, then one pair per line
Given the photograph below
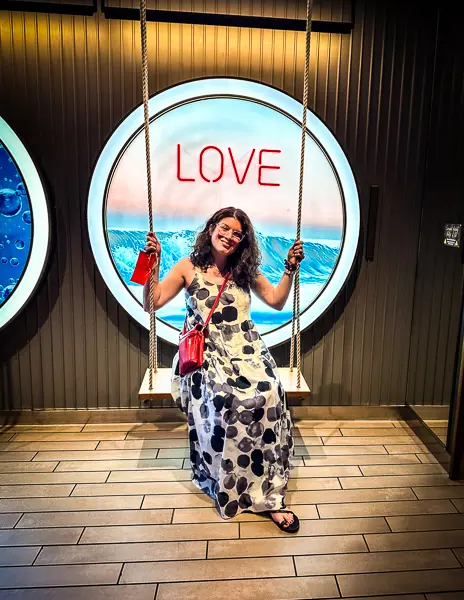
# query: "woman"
x,y
240,439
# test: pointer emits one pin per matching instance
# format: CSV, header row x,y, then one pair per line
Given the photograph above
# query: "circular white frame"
x,y
196,90
40,225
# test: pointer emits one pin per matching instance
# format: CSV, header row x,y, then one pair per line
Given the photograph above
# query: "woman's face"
x,y
226,235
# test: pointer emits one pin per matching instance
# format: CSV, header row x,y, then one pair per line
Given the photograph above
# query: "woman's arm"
x,y
277,296
172,284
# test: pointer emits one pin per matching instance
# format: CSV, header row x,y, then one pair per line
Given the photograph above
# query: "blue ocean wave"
x,y
315,269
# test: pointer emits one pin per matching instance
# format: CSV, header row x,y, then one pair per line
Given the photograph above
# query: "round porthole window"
x,y
24,225
225,142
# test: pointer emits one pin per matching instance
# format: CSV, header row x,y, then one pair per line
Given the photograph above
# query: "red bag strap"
x,y
216,302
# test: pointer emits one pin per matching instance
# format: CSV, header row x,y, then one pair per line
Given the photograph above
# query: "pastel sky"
x,y
241,126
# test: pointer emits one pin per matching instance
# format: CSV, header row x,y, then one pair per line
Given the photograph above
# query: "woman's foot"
x,y
285,520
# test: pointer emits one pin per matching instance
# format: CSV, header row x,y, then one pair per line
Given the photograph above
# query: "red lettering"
x,y
201,163
240,181
261,167
178,167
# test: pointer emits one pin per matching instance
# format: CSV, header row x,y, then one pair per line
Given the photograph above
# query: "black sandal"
x,y
292,527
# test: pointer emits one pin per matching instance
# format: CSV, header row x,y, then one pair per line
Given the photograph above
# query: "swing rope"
x,y
295,343
153,342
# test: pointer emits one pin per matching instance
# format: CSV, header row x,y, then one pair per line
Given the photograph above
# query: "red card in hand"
x,y
143,267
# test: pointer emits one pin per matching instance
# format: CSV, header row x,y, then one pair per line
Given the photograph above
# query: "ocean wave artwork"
x,y
15,225
316,269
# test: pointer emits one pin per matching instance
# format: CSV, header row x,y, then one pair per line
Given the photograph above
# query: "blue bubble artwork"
x,y
15,225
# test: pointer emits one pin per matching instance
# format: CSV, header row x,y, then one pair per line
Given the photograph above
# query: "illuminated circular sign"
x,y
24,225
225,142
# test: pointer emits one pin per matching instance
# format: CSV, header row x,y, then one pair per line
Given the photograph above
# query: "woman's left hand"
x,y
296,254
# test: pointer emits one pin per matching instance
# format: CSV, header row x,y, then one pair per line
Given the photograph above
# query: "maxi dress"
x,y
239,432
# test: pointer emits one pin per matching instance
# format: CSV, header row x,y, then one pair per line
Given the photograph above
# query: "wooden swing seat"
x,y
162,384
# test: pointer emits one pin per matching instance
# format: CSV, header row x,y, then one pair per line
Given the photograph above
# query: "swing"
x,y
156,383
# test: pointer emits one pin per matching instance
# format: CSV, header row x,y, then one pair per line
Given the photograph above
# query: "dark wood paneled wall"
x,y
439,281
67,81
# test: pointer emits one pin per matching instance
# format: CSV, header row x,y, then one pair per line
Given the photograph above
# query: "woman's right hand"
x,y
153,246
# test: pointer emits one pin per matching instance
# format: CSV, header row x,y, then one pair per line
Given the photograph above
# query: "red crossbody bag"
x,y
192,342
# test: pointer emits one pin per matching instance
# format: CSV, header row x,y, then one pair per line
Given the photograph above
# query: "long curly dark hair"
x,y
243,264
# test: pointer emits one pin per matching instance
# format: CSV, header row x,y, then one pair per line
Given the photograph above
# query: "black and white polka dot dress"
x,y
240,439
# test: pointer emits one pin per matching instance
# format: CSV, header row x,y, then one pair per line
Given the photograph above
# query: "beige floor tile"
x,y
48,478
134,444
110,553
161,426
35,491
405,582
337,450
97,518
68,437
288,588
22,456
108,592
207,570
376,432
8,521
375,562
119,465
286,546
392,440
159,533
352,424
146,475
199,500
313,483
342,496
423,540
445,596
316,527
392,481
48,428
364,509
18,557
12,577
173,453
210,515
70,504
27,467
413,448
389,597
309,440
6,437
329,471
157,435
316,431
40,537
441,458
414,469
98,455
357,460
426,523
14,447
443,491
459,504
131,489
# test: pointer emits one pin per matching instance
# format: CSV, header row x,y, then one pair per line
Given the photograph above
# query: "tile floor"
x,y
100,512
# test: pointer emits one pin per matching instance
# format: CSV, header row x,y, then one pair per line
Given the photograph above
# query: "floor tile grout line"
x,y
461,562
120,573
37,556
294,566
338,585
